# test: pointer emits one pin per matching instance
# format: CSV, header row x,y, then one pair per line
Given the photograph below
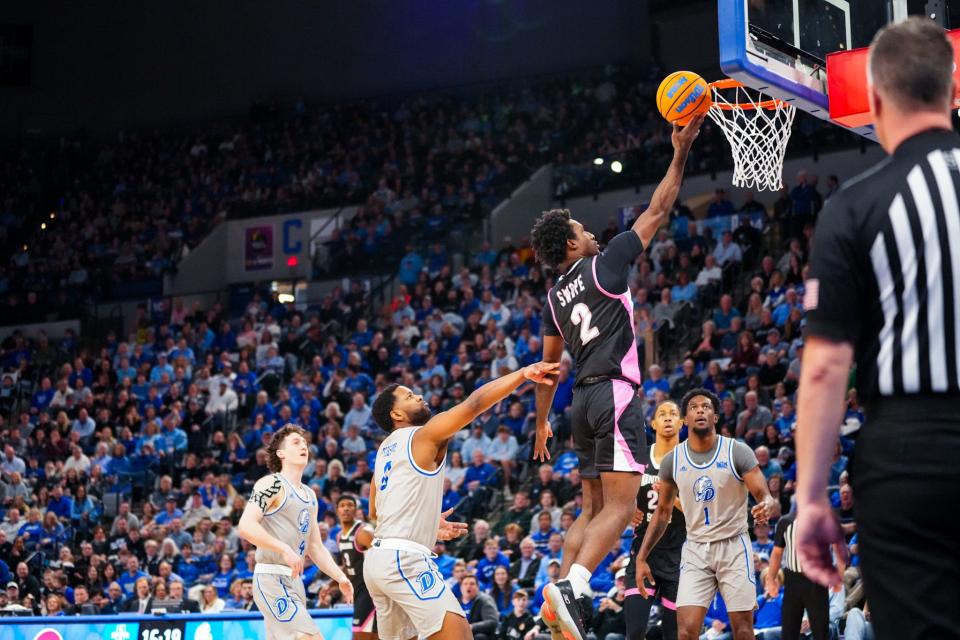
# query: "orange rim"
x,y
730,83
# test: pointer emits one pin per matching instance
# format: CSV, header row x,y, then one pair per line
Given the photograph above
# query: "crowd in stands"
x,y
86,220
125,471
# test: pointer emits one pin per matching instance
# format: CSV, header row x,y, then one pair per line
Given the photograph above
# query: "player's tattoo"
x,y
263,497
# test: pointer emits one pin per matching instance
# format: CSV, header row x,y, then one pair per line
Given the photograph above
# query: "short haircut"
x,y
693,393
348,497
273,460
912,63
383,406
549,237
469,576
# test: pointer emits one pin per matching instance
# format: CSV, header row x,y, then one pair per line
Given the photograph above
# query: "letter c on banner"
x,y
291,245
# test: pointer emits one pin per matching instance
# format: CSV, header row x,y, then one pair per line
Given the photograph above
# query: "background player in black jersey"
x,y
354,539
664,560
591,309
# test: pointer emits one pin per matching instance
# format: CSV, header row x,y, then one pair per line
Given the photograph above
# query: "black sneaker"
x,y
564,609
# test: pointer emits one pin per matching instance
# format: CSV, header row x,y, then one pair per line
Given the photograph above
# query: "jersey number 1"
x,y
581,316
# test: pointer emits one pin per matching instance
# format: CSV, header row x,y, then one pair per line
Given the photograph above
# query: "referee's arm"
x,y
833,304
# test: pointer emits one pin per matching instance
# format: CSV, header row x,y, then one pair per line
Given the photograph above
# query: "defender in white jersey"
x,y
408,591
281,521
712,476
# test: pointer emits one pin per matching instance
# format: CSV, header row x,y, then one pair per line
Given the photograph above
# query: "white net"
x,y
757,129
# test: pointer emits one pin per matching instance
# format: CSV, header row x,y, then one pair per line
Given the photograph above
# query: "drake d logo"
x,y
303,520
703,489
426,580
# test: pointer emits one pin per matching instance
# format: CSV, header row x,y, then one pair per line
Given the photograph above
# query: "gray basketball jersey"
x,y
290,522
713,494
408,497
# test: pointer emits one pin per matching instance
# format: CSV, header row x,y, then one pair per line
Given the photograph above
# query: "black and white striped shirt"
x,y
783,537
885,270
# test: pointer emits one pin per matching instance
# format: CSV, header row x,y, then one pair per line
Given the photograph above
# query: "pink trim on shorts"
x,y
623,394
631,592
367,624
668,604
630,363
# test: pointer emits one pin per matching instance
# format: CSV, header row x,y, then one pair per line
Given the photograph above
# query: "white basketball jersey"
x,y
713,496
408,498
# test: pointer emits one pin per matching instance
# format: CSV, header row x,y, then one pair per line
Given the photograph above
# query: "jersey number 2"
x,y
581,316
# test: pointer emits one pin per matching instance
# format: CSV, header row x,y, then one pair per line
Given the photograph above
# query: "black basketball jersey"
x,y
647,500
351,557
596,321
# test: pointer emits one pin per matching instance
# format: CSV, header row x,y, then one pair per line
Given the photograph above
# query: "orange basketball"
x,y
683,95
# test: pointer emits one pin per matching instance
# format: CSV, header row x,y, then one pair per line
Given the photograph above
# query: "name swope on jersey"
x,y
569,291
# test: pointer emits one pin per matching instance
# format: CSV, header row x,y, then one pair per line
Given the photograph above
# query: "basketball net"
x,y
757,129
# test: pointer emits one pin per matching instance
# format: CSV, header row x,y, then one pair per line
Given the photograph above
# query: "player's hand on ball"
x,y
346,589
450,530
544,433
683,137
540,372
818,529
293,560
644,574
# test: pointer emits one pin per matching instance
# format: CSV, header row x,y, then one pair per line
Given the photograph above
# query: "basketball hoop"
x,y
757,129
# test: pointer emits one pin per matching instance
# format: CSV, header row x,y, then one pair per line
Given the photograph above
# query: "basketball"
x,y
681,96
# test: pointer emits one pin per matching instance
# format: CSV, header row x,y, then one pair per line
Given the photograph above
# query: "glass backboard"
x,y
780,46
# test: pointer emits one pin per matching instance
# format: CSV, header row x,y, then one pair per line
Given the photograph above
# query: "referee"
x,y
885,286
799,592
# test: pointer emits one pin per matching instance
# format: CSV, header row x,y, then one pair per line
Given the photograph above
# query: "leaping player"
x,y
712,475
664,560
591,309
280,519
407,589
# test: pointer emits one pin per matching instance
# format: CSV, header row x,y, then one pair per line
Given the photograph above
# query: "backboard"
x,y
780,47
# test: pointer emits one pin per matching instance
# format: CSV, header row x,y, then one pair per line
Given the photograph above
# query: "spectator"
x,y
519,622
479,608
753,418
689,380
727,251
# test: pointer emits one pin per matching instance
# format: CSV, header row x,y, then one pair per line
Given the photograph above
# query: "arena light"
x,y
43,226
53,216
598,161
284,298
616,166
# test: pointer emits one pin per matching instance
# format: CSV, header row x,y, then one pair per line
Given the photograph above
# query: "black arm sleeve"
x,y
833,299
780,535
548,323
613,264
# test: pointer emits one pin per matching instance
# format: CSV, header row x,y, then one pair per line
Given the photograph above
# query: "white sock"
x,y
579,578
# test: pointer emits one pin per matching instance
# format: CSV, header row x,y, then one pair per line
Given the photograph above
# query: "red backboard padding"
x,y
847,84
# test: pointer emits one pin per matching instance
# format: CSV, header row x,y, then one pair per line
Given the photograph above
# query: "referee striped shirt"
x,y
885,267
784,538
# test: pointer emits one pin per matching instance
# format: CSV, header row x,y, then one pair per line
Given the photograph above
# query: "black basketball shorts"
x,y
608,428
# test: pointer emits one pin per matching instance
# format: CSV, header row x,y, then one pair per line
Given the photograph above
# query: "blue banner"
x,y
333,624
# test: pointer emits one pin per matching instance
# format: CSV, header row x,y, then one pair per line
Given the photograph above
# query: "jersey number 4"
x,y
386,475
581,316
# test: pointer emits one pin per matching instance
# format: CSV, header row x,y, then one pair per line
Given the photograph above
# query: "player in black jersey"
x,y
354,539
664,560
590,308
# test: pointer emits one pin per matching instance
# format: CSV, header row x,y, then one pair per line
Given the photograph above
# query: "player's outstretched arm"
x,y
443,426
655,530
267,493
665,195
325,562
552,352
